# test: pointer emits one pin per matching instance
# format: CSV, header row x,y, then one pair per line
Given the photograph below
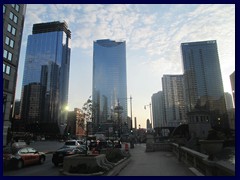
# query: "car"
x,y
18,156
72,143
58,156
117,144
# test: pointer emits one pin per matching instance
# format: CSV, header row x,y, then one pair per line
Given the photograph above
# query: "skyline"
x,y
153,35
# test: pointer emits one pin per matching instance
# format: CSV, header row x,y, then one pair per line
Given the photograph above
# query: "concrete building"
x,y
76,126
13,23
47,63
158,111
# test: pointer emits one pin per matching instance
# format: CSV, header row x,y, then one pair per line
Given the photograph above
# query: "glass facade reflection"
x,y
202,77
109,81
47,63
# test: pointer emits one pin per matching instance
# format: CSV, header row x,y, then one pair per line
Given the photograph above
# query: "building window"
x,y
7,55
11,43
6,69
4,9
13,17
7,40
11,29
6,84
16,7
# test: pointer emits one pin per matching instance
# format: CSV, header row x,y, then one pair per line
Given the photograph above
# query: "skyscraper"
x,y
203,80
109,91
13,22
46,74
228,100
174,100
232,80
158,110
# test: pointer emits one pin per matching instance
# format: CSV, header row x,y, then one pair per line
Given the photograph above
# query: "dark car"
x,y
117,144
18,156
59,155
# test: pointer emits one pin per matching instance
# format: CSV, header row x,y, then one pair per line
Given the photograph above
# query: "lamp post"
x,y
150,105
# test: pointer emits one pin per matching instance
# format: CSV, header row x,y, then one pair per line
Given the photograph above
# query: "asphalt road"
x,y
46,169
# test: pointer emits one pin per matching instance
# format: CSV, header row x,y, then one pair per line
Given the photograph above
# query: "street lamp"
x,y
149,105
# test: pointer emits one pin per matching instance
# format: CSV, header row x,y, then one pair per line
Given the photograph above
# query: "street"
x,y
46,169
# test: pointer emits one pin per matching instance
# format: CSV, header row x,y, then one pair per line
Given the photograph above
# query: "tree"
x,y
85,115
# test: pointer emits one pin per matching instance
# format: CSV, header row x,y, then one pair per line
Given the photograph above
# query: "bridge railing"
x,y
194,159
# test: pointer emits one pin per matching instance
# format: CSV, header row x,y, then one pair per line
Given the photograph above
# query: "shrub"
x,y
84,169
114,155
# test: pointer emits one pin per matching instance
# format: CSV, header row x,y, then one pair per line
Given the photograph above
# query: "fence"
x,y
195,159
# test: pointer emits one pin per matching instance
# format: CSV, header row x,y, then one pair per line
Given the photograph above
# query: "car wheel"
x,y
20,164
41,159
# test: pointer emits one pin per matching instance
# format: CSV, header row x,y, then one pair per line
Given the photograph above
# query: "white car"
x,y
72,143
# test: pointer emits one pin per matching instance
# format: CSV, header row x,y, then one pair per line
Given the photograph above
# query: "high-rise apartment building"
x,y
158,110
232,80
109,91
174,100
228,100
13,22
203,80
46,75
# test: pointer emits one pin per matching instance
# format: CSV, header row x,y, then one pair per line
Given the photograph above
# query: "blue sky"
x,y
153,34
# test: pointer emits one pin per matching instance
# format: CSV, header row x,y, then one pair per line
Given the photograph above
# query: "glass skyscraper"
x,y
203,79
109,82
174,101
46,74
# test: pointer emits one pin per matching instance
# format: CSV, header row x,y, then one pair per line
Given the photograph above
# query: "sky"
x,y
153,35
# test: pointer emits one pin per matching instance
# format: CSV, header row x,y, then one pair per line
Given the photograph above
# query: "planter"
x,y
89,162
211,147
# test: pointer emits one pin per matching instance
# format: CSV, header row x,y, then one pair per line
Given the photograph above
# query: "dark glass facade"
x,y
202,78
47,64
109,82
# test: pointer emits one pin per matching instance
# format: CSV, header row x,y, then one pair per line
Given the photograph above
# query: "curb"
x,y
115,171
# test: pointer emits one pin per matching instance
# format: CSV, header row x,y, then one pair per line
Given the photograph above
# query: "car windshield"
x,y
70,143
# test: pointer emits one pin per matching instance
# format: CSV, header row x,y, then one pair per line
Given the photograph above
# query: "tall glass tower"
x,y
203,79
46,74
109,82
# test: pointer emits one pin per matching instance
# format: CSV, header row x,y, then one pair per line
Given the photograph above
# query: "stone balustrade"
x,y
195,159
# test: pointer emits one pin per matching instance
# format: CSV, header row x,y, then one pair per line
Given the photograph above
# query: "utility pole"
x,y
131,111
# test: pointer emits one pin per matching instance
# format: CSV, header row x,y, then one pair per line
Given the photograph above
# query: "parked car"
x,y
59,155
72,143
117,144
17,156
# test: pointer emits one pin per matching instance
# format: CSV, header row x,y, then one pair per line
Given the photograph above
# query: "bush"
x,y
114,155
84,169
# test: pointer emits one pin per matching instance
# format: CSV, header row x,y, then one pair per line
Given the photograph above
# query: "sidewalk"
x,y
154,164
